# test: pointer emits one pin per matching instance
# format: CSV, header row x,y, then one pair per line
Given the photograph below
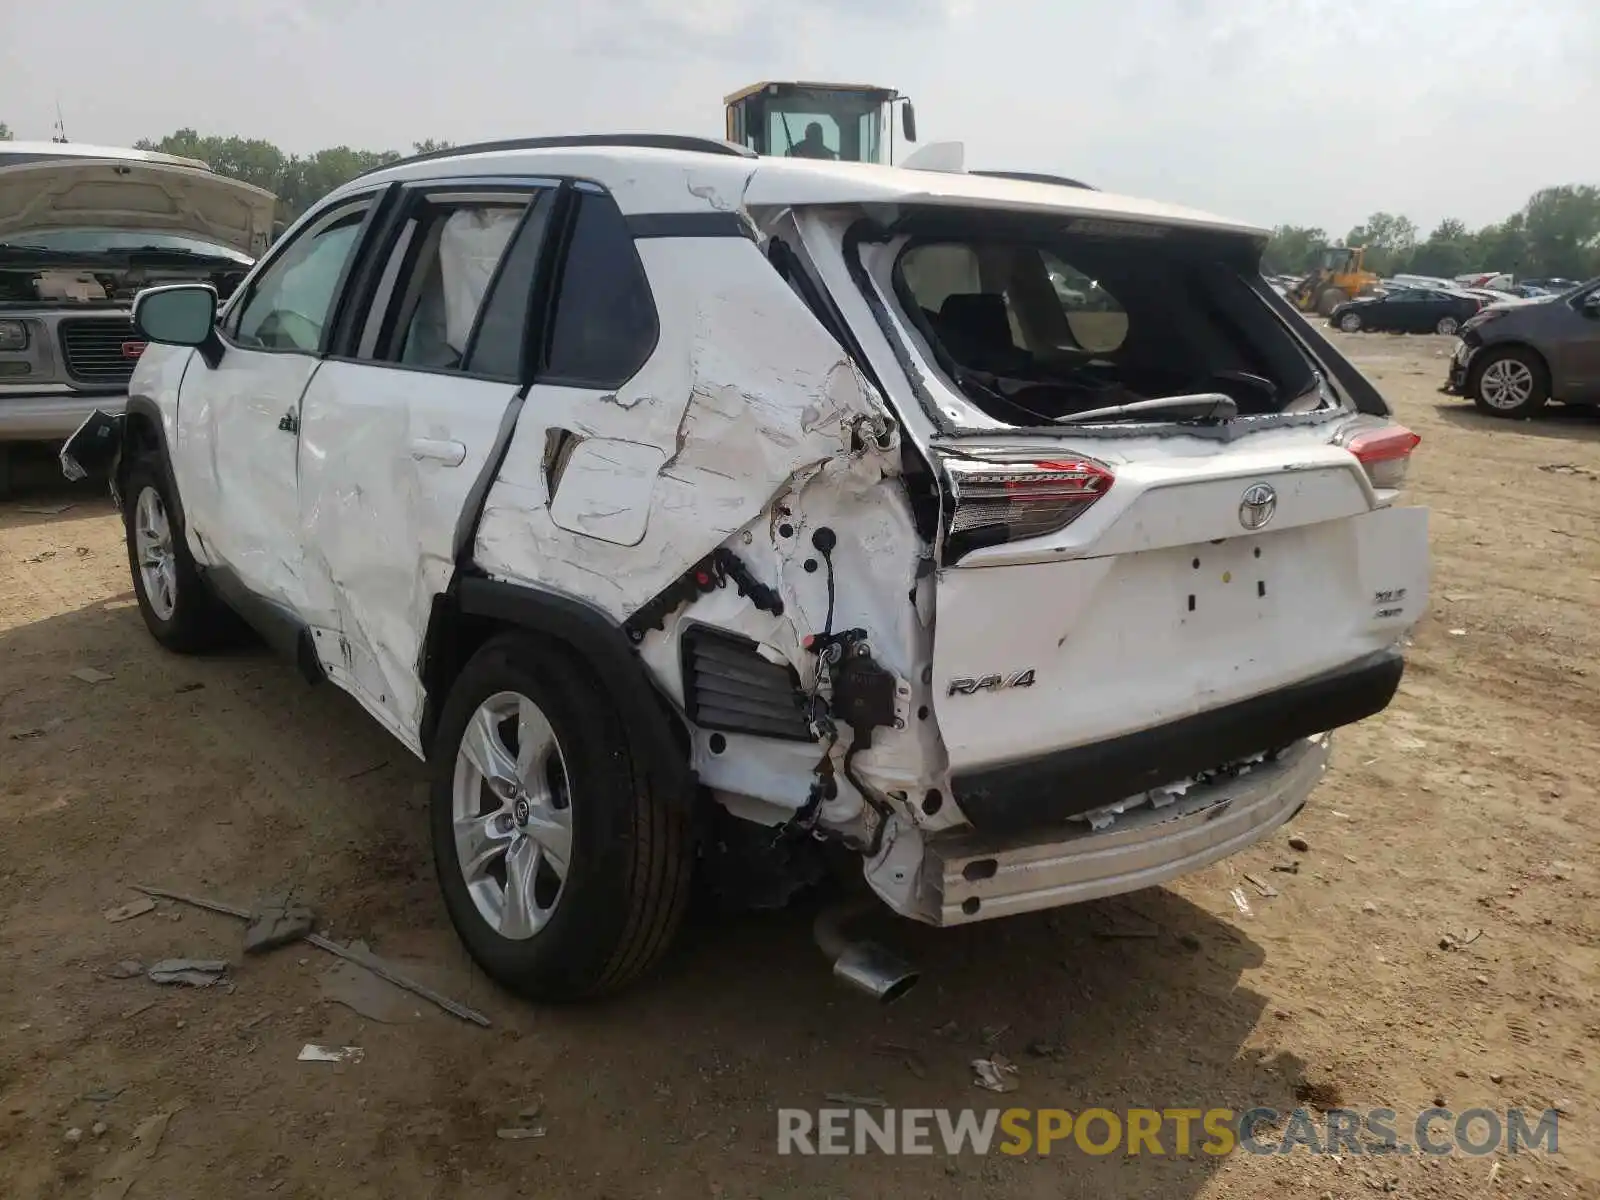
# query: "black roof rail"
x,y
1031,177
645,141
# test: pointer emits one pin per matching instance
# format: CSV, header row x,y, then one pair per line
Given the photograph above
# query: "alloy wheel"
x,y
1506,384
152,545
512,815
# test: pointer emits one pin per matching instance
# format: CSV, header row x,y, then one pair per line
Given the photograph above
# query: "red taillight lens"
x,y
997,502
1384,451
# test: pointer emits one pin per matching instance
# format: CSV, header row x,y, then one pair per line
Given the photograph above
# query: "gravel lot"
x,y
1469,805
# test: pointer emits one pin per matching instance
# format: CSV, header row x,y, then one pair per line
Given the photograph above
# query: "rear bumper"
x,y
1043,792
50,416
983,877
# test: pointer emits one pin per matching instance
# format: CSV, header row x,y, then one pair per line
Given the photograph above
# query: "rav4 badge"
x,y
960,686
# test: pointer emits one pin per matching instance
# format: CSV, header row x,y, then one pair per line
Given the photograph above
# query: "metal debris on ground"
x,y
855,1101
137,1009
365,993
311,1052
134,908
1452,941
996,1074
91,675
1240,901
277,921
123,1171
520,1133
191,972
184,688
372,963
1261,885
1288,868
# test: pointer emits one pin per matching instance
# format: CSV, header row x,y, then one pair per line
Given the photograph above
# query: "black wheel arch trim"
x,y
591,633
148,412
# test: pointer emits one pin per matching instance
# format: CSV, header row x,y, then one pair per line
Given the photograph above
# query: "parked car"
x,y
82,230
752,522
1410,310
1516,356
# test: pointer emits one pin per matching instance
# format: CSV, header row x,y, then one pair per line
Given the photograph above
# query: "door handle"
x,y
451,454
289,422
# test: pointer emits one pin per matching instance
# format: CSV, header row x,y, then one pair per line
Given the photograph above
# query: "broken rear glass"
x,y
1034,328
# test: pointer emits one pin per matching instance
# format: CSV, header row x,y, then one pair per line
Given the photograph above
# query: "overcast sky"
x,y
1300,111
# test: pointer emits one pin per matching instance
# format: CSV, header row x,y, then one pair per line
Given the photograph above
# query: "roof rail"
x,y
1031,177
646,141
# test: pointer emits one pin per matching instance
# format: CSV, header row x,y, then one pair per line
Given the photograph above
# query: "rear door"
x,y
1099,582
401,429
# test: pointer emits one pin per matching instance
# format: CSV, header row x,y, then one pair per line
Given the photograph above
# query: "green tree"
x,y
1294,250
5,132
1448,252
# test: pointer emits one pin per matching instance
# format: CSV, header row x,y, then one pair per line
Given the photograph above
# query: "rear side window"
x,y
605,319
437,282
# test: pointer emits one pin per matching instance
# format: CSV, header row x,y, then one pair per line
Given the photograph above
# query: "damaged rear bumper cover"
x,y
984,876
1042,793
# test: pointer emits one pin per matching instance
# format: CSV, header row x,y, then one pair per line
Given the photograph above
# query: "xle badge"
x,y
990,683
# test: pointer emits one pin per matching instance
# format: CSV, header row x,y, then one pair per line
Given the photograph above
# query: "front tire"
x,y
1509,383
564,871
1350,322
179,609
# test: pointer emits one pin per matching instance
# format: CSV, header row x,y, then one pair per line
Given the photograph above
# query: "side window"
x,y
1096,320
498,347
605,318
289,304
436,281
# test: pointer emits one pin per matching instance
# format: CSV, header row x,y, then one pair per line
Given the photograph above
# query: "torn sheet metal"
x,y
759,393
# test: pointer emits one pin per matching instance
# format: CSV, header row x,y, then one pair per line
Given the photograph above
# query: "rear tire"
x,y
1509,383
178,607
564,871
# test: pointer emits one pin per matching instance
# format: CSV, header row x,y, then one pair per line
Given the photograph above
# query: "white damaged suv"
x,y
685,508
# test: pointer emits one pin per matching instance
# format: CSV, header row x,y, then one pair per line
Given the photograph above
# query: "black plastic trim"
x,y
279,627
1045,791
729,686
1034,177
600,641
689,225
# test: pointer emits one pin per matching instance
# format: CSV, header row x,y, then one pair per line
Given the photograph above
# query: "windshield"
x,y
96,241
816,123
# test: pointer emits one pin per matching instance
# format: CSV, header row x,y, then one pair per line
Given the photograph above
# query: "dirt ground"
x,y
1469,805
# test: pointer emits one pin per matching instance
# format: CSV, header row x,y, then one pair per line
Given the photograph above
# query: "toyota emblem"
x,y
1257,506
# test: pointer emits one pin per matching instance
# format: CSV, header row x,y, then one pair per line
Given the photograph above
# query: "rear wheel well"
x,y
455,635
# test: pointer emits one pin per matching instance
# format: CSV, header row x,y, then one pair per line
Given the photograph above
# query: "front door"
x,y
239,421
399,432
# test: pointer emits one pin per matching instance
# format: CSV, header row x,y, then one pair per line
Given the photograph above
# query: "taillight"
x,y
1384,450
998,502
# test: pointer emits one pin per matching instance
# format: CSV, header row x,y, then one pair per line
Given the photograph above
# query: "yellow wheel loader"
x,y
1342,276
849,122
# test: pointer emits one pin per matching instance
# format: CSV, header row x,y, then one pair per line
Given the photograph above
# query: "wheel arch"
x,y
1489,350
476,608
143,432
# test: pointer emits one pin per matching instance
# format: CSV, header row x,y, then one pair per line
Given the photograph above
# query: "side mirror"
x,y
180,314
908,121
1591,305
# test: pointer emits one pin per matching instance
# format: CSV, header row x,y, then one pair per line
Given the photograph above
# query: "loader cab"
x,y
842,122
1340,260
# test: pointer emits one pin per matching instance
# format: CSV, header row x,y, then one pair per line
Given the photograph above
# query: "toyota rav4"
x,y
681,507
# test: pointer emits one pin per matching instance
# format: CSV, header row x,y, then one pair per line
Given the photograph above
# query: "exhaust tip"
x,y
871,969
